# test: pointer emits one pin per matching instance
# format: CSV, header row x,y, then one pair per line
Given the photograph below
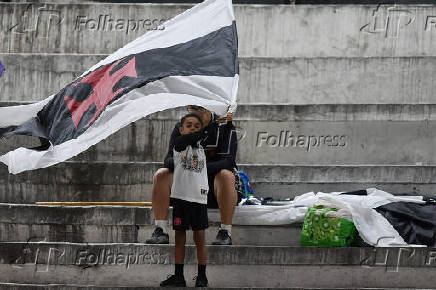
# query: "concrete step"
x,y
288,134
264,30
167,1
228,266
131,181
357,2
118,224
19,286
300,80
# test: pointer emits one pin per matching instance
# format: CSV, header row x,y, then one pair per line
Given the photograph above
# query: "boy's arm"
x,y
169,161
228,146
183,141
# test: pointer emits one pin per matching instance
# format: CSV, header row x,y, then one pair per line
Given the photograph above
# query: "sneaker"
x,y
201,281
174,281
222,238
158,237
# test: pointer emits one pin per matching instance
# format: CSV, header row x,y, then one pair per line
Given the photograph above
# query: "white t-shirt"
x,y
190,181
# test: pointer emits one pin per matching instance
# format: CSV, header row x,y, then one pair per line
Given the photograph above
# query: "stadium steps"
x,y
118,224
264,30
327,134
18,286
127,264
341,77
131,181
272,80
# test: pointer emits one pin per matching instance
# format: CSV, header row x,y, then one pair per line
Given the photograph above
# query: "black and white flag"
x,y
191,60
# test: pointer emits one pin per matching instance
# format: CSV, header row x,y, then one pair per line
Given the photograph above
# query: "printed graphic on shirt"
x,y
192,164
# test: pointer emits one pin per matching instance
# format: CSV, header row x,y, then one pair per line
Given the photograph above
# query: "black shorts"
x,y
211,198
189,215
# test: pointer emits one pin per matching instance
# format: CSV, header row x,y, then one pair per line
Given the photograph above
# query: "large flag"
x,y
191,60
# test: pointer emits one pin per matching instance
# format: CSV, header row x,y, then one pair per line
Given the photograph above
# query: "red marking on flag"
x,y
102,84
177,221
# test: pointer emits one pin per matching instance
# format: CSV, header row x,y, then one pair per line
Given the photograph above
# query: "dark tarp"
x,y
416,223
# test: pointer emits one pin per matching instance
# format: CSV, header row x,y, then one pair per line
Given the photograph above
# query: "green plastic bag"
x,y
321,231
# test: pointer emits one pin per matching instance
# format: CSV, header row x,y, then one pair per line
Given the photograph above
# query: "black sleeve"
x,y
182,141
169,161
45,144
228,145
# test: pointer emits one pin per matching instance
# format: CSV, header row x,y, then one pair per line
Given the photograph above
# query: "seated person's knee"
x,y
160,174
226,176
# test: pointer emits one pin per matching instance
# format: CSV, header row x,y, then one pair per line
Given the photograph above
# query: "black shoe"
x,y
201,281
158,237
222,238
174,281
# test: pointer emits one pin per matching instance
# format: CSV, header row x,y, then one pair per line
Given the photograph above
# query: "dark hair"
x,y
182,121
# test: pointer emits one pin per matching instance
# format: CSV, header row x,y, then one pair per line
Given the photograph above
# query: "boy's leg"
x,y
178,279
160,196
200,243
180,247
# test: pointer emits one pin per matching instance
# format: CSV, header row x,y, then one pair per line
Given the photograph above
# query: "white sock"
x,y
162,224
228,228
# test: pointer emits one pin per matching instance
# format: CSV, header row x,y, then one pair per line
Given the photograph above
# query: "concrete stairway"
x,y
332,98
99,246
264,30
18,286
131,181
351,134
123,264
271,80
116,224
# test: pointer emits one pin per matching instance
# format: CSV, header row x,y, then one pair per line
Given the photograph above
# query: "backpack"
x,y
247,190
320,229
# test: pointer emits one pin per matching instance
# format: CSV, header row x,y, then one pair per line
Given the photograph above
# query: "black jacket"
x,y
218,140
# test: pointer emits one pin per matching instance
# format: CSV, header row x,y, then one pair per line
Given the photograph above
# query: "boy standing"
x,y
189,199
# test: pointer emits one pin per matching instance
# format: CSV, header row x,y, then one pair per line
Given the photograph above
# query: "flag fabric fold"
x,y
191,60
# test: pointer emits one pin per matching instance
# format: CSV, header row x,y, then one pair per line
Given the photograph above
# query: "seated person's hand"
x,y
227,118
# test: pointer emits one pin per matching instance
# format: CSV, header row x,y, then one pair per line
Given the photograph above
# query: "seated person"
x,y
220,146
